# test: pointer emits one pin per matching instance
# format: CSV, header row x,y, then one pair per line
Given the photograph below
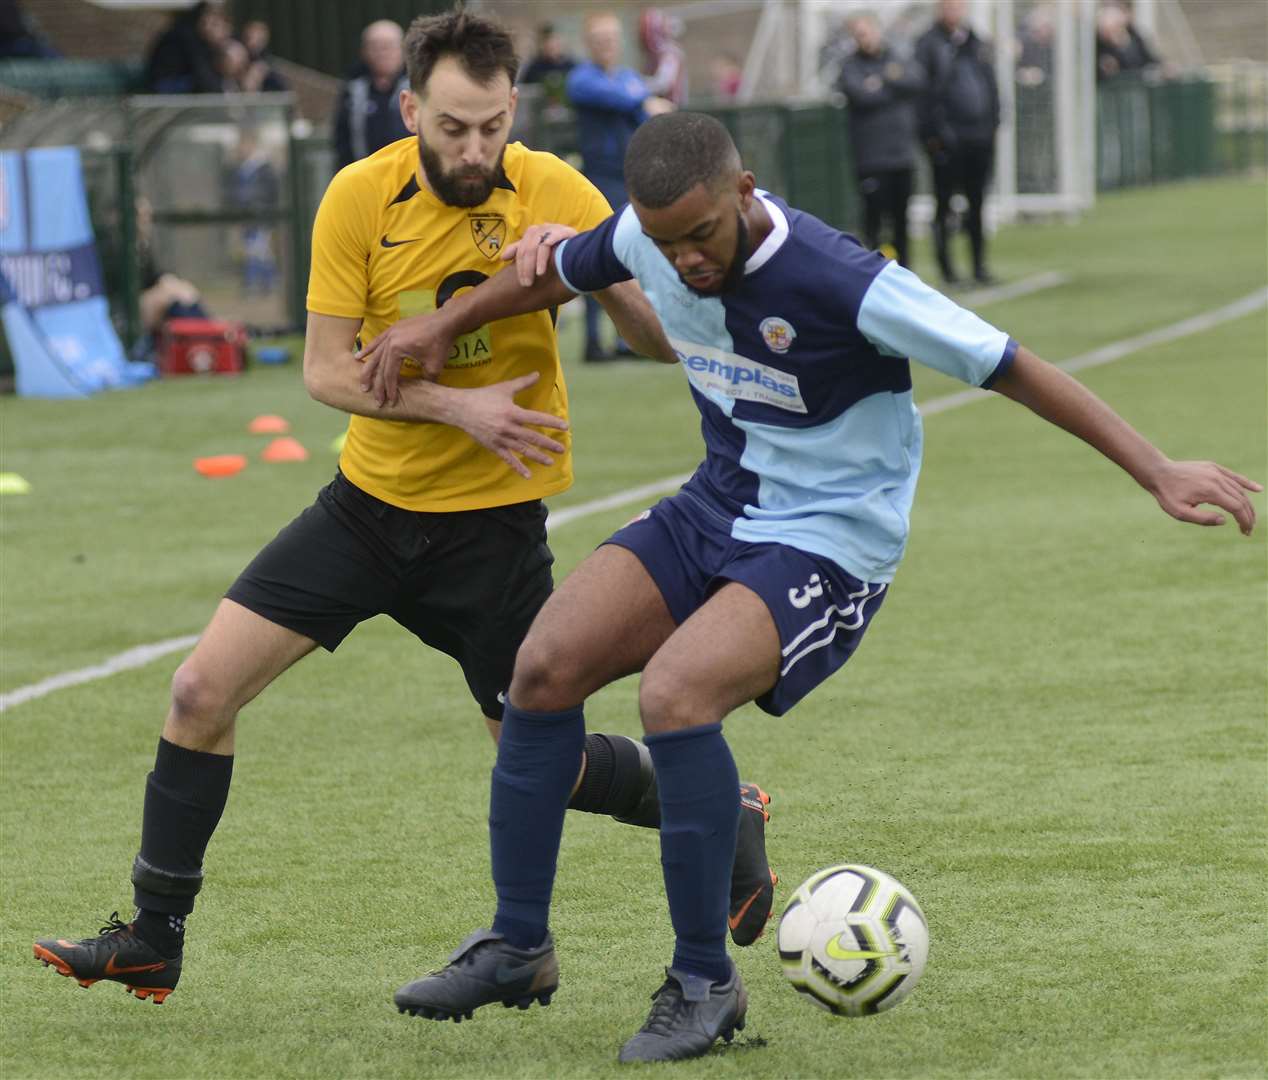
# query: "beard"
x,y
466,186
734,275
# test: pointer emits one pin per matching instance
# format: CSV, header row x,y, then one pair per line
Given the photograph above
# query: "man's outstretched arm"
x,y
1179,486
427,338
487,413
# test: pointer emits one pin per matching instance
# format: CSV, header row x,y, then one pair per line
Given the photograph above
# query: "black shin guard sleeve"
x,y
591,796
619,781
184,798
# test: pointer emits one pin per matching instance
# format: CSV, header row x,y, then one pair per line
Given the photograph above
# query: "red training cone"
x,y
220,464
284,449
268,424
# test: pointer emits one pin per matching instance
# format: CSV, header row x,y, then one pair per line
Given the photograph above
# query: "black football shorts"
x,y
468,583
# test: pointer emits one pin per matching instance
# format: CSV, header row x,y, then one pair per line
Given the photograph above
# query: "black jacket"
x,y
881,92
961,99
181,62
367,118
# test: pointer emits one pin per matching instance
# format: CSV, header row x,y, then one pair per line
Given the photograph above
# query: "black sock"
x,y
184,798
164,932
619,780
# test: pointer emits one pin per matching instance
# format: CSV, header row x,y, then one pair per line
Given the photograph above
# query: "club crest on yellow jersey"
x,y
489,233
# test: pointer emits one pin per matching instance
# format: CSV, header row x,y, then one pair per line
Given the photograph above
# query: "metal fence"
x,y
179,155
799,151
208,187
1241,115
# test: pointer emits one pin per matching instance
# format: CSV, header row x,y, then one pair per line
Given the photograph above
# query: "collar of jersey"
x,y
774,239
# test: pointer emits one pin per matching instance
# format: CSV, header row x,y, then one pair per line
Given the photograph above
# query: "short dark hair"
x,y
672,153
483,47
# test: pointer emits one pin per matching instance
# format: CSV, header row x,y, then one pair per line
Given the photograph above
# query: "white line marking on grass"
x,y
611,502
1197,324
133,658
1116,350
1107,354
997,293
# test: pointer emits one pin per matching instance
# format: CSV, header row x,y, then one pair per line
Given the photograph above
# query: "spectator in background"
x,y
611,101
727,74
185,57
1036,151
664,62
240,75
881,90
368,116
958,115
550,64
254,185
19,38
1120,50
163,295
1034,53
261,74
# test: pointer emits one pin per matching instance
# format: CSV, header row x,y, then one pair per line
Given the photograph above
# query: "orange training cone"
x,y
221,464
285,449
268,424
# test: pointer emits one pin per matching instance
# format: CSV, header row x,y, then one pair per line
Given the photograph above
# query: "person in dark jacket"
x,y
185,57
368,115
20,38
611,101
550,64
881,89
1120,50
959,112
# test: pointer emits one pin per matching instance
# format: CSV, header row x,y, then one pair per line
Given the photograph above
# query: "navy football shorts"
x,y
820,611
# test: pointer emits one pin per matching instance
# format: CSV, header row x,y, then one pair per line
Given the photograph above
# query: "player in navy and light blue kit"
x,y
804,390
758,579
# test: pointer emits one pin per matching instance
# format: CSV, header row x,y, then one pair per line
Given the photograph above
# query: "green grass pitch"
x,y
1054,734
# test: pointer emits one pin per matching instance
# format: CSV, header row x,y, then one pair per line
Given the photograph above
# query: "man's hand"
x,y
424,338
1182,486
492,418
531,251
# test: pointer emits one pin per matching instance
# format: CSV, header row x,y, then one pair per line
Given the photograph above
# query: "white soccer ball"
x,y
853,940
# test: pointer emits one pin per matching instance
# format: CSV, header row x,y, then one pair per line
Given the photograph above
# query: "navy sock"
x,y
699,818
539,755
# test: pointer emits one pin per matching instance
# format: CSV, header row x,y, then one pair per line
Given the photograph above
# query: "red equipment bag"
x,y
201,347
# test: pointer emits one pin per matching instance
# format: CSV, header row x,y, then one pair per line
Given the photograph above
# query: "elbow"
x,y
313,381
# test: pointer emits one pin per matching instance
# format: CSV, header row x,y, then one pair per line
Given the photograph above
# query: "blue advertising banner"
x,y
52,303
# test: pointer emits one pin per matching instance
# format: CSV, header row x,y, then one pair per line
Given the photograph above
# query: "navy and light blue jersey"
x,y
802,379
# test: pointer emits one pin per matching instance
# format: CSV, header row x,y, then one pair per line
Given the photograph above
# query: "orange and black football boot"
x,y
116,954
752,879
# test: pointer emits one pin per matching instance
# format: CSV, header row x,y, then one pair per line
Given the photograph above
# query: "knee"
x,y
202,710
546,678
666,703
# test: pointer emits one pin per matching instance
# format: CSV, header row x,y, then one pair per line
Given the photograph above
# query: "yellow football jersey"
x,y
385,247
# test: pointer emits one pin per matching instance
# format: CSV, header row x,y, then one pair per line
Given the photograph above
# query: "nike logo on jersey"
x,y
835,950
397,243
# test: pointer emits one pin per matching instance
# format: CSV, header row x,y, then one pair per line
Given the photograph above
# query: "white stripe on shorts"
x,y
851,618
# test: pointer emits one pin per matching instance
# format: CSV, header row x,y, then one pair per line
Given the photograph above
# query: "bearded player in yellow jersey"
x,y
435,517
